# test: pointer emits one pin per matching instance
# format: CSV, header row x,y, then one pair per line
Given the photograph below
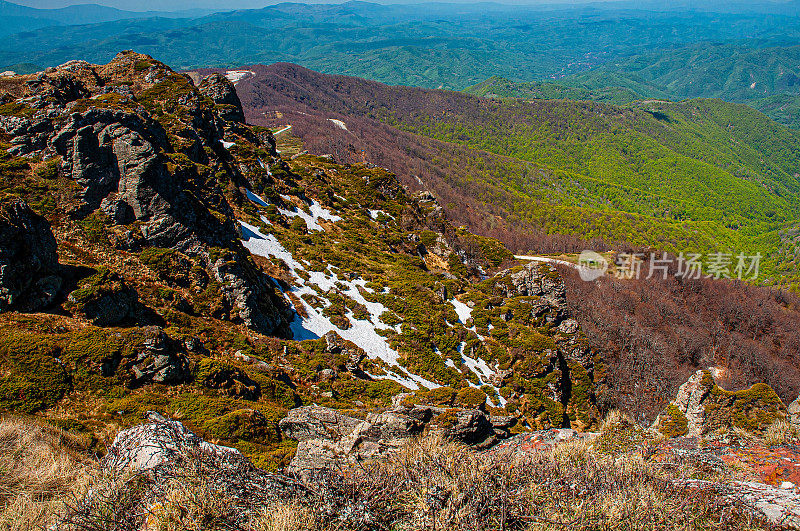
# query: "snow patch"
x,y
464,312
255,198
312,220
234,76
266,246
375,213
338,123
363,332
227,145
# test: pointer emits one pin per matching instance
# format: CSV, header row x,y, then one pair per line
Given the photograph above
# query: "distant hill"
x,y
427,45
766,78
702,174
15,18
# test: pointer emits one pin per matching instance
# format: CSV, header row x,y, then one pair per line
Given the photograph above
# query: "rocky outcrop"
x,y
29,271
223,94
794,412
150,445
564,362
157,184
701,407
330,439
158,360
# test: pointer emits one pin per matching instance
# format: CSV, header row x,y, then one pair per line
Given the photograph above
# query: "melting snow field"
x,y
363,332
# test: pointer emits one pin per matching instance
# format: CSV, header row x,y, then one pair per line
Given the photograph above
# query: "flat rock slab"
x,y
776,466
537,441
779,506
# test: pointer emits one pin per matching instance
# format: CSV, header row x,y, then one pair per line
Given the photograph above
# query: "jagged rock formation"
x,y
701,407
537,292
144,177
329,439
29,271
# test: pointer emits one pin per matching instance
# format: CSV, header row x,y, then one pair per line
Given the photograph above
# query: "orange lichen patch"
x,y
771,465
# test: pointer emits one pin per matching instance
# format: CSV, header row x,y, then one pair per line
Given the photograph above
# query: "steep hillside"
x,y
697,176
158,254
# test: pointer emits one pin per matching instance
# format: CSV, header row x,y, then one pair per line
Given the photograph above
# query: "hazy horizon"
x,y
180,5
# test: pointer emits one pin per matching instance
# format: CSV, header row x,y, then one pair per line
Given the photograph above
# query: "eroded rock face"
x,y
701,407
222,92
29,272
158,186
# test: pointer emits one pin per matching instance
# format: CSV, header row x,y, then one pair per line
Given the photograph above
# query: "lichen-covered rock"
x,y
329,438
147,446
701,407
159,360
29,271
794,412
314,422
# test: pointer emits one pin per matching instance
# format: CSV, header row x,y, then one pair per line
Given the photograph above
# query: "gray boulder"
x,y
147,446
329,440
315,422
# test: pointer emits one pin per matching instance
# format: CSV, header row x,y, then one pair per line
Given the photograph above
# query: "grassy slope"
x,y
701,174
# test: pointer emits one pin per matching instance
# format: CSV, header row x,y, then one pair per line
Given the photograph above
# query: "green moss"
x,y
16,109
753,409
32,376
470,398
441,396
244,424
49,169
673,422
94,227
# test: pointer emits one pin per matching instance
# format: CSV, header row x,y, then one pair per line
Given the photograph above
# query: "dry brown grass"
x,y
430,483
40,466
782,432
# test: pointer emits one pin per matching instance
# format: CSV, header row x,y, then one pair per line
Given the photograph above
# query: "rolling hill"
x,y
700,175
